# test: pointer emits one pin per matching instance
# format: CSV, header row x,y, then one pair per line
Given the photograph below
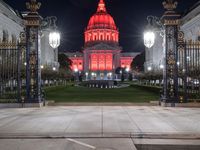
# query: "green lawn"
x,y
82,94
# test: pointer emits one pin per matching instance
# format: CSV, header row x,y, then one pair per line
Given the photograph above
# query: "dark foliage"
x,y
138,62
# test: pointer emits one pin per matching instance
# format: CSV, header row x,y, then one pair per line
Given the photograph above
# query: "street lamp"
x,y
161,66
149,39
86,74
127,69
42,67
54,36
153,26
76,72
149,68
54,39
168,27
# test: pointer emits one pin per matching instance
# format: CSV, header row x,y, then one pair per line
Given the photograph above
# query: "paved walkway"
x,y
97,122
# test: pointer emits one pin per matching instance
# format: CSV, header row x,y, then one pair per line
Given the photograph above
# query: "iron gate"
x,y
10,72
188,70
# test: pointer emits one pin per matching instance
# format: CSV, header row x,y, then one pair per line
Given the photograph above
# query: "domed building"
x,y
102,53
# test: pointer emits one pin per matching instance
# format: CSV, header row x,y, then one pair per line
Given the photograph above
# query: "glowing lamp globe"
x,y
75,70
54,39
127,69
149,39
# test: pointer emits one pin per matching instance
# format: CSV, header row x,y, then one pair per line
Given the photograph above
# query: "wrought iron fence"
x,y
189,70
10,72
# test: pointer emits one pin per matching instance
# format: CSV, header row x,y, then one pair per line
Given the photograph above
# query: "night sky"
x,y
129,15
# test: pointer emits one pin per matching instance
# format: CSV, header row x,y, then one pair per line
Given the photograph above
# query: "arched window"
x,y
5,36
113,37
95,37
101,37
107,38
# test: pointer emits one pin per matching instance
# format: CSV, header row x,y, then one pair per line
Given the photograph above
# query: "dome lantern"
x,y
101,7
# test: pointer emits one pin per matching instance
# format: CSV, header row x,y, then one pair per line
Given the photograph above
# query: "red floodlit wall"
x,y
126,62
109,62
101,62
94,62
77,63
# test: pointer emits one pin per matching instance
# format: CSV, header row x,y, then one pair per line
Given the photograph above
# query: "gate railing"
x,y
189,70
9,72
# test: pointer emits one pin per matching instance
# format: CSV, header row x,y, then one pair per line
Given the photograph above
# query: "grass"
x,y
81,94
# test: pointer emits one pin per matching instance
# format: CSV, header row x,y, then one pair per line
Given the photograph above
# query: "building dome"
x,y
101,20
101,26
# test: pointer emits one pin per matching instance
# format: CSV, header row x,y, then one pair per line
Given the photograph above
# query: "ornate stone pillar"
x,y
33,71
171,21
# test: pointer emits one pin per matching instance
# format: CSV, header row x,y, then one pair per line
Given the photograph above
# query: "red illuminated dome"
x,y
101,26
101,19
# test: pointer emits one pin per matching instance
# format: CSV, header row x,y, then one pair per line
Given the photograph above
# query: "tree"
x,y
118,70
130,77
65,62
138,62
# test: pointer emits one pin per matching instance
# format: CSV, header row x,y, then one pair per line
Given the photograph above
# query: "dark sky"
x,y
129,15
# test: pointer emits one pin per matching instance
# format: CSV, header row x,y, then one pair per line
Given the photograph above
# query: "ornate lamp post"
x,y
76,72
169,27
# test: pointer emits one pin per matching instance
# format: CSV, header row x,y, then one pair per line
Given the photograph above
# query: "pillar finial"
x,y
170,5
33,6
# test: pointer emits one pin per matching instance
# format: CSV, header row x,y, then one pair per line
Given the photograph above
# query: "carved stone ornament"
x,y
170,5
33,5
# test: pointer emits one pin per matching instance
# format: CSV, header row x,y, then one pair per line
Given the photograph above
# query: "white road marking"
x,y
81,143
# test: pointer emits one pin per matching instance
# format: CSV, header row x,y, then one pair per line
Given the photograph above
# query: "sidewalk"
x,y
129,123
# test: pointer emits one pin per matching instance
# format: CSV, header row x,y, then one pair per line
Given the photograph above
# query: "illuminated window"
x,y
108,38
94,62
101,62
101,37
109,62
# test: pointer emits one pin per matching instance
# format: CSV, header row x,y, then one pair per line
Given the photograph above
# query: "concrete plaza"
x,y
98,127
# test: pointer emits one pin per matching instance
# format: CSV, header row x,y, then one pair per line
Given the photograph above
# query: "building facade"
x,y
101,53
190,25
12,24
